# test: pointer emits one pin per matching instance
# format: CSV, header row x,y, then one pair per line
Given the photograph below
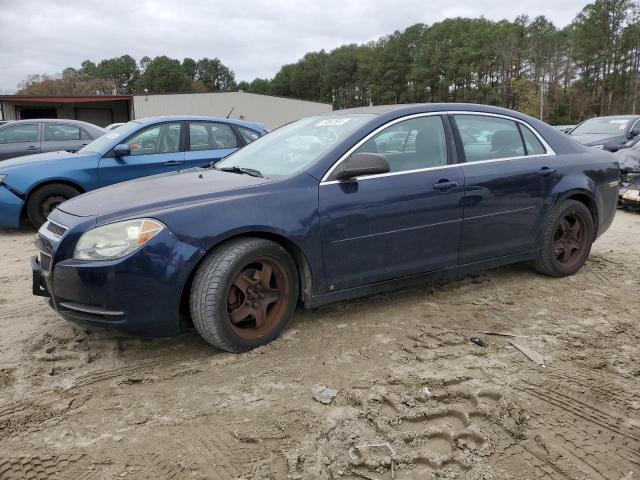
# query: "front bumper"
x,y
139,294
10,208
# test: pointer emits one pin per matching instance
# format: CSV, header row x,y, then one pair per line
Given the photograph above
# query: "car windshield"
x,y
291,148
603,126
99,145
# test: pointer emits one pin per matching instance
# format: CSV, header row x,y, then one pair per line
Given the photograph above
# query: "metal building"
x,y
102,110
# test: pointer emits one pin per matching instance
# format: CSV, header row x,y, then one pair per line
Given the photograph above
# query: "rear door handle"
x,y
546,171
30,147
444,185
172,163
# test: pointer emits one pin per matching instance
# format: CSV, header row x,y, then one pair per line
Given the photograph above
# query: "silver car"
x,y
26,137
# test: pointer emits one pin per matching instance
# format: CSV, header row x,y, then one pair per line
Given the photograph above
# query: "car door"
x,y
19,139
407,221
63,136
154,149
209,142
509,174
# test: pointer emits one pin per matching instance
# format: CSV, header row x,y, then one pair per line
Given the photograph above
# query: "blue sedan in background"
x,y
35,185
324,209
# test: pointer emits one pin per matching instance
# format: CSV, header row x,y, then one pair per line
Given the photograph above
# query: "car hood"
x,y
160,192
595,138
38,158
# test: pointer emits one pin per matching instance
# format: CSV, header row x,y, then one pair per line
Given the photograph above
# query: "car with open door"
x,y
322,210
31,187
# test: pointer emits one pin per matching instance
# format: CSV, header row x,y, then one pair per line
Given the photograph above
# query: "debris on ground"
x,y
357,448
535,357
500,334
323,394
478,341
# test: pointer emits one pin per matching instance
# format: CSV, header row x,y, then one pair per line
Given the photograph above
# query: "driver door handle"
x,y
444,185
30,147
172,163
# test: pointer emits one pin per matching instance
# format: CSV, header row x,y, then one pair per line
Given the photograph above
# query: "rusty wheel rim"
x,y
570,240
257,298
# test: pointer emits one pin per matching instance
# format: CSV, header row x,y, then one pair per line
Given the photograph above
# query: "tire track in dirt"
x,y
576,430
45,467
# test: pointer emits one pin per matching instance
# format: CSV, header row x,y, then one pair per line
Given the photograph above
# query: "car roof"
x,y
168,118
93,129
409,108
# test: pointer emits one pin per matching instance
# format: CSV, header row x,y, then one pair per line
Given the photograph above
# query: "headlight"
x,y
597,147
2,177
116,240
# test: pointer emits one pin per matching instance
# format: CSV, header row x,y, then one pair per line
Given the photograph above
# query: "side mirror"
x,y
360,164
633,133
121,150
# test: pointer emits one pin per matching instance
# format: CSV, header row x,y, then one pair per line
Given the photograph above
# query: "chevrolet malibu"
x,y
33,186
319,211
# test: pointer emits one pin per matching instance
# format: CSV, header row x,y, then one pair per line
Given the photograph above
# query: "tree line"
x,y
590,67
124,76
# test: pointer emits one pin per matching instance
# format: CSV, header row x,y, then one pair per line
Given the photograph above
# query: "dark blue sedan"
x,y
326,208
34,185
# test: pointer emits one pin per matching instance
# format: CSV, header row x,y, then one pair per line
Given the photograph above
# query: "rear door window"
x,y
534,146
211,136
489,138
61,132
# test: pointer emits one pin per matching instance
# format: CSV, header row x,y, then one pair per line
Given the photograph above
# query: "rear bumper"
x,y
10,208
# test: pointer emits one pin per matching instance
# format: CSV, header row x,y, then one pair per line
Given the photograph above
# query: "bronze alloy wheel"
x,y
258,297
570,239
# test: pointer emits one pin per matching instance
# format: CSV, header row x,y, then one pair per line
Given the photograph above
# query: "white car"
x,y
113,126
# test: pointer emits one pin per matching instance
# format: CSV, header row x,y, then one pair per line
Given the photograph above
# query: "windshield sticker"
x,y
112,135
332,122
623,122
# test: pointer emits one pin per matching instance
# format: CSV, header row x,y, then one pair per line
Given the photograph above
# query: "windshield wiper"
x,y
236,169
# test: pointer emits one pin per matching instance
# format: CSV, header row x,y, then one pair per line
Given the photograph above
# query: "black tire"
x,y
215,298
555,258
45,199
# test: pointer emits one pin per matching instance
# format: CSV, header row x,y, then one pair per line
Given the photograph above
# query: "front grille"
x,y
57,230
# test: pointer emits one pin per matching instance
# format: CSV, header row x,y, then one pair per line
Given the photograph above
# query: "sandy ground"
x,y
79,404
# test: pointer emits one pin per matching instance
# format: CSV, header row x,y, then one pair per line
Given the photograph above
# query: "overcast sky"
x,y
252,37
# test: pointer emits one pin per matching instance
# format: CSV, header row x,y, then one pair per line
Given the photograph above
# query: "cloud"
x,y
254,38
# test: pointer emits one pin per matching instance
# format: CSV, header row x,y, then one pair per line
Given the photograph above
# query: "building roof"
x,y
64,99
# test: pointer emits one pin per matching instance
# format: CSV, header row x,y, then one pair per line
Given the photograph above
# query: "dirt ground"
x,y
76,404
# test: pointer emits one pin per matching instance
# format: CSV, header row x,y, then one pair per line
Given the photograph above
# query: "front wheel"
x,y
244,294
46,199
566,240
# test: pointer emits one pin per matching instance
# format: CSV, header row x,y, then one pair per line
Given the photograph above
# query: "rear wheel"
x,y
46,199
244,294
567,239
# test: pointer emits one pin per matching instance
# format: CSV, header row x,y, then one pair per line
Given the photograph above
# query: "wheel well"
x,y
591,205
304,271
23,213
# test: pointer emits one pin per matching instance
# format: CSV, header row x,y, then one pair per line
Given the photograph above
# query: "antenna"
x,y
231,111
